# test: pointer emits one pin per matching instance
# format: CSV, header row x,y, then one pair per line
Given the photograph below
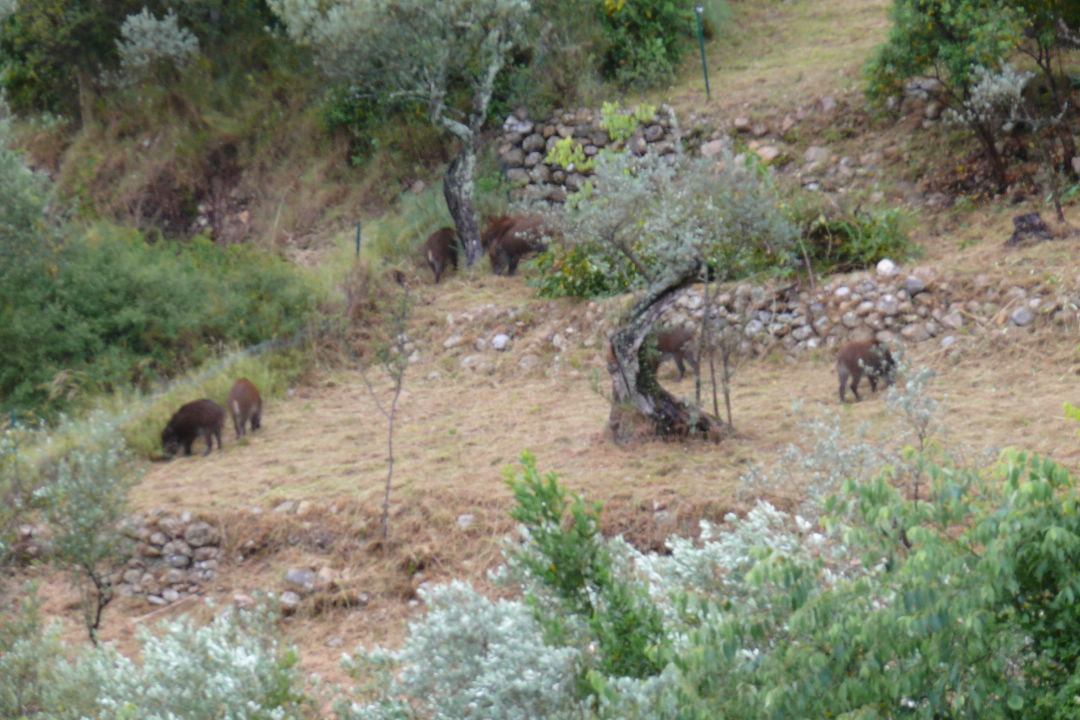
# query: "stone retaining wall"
x,y
524,144
174,557
891,304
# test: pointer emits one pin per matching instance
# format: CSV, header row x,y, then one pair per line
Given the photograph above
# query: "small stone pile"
x,y
524,144
175,556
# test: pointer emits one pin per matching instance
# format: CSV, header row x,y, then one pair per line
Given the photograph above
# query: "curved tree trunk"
x,y
638,402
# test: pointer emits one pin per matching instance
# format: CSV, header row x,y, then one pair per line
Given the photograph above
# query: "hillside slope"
x,y
307,489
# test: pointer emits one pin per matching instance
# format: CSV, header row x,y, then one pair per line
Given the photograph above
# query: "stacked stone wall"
x,y
889,304
524,144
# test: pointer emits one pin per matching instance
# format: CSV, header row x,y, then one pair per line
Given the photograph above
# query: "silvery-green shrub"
x,y
146,40
469,658
27,652
85,501
234,668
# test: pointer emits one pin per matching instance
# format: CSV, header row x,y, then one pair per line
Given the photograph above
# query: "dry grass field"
x,y
324,446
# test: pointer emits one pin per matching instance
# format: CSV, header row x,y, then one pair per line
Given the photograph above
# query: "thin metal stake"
x,y
698,11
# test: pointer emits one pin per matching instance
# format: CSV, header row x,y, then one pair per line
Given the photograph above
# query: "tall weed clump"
x,y
837,238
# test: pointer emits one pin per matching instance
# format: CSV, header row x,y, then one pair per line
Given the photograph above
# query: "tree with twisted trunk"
x,y
637,397
443,56
664,223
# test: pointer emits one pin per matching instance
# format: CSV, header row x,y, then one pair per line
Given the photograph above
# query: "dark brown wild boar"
x,y
511,238
244,405
495,228
441,251
864,357
199,418
674,343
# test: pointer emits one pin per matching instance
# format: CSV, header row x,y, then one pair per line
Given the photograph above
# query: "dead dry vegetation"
x,y
323,447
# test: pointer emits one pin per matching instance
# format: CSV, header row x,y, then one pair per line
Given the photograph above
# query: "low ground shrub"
x,y
840,239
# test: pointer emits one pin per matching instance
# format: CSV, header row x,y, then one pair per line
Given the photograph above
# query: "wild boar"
x,y
199,418
674,343
511,238
869,357
441,251
244,405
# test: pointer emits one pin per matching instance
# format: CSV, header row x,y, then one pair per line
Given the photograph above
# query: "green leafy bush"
x,y
621,125
116,310
566,555
644,40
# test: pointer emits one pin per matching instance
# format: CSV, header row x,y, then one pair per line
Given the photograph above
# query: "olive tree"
x,y
443,55
667,222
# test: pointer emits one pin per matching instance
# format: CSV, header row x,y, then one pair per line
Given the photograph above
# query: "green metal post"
x,y
357,238
698,10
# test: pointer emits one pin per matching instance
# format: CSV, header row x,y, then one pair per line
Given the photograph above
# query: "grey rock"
x,y
301,578
464,521
517,177
711,148
886,268
540,174
888,304
199,534
555,194
953,320
916,332
914,285
533,143
177,547
175,576
1021,317
289,601
515,124
514,157
816,155
500,341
